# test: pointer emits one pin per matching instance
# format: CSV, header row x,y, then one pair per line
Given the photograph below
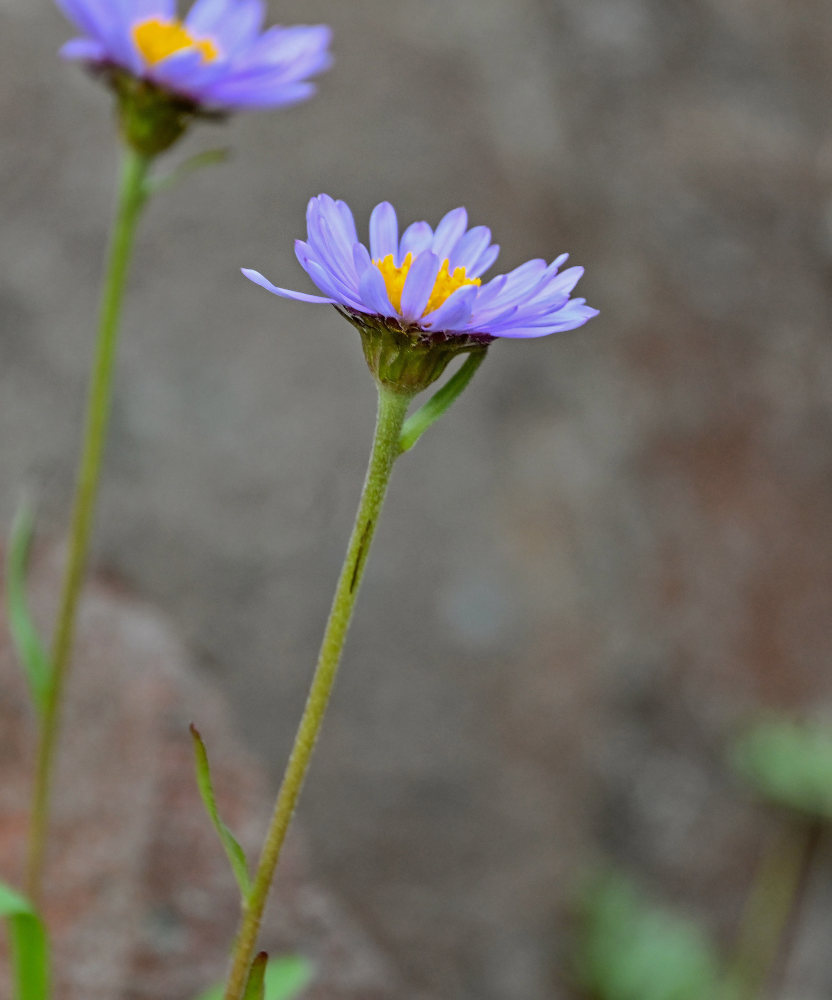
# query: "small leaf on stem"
x,y
166,181
285,979
30,649
236,855
29,946
416,425
256,985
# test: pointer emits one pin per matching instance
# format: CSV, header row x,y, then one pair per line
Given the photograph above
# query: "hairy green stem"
x,y
131,198
392,407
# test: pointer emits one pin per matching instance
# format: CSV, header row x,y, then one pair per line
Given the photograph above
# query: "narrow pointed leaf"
x,y
29,946
286,978
256,985
416,425
31,651
236,855
207,159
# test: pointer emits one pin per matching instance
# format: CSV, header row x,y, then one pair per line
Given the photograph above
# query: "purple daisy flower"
x,y
217,57
427,282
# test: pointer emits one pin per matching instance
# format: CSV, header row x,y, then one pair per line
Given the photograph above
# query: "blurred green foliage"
x,y
789,764
29,946
630,950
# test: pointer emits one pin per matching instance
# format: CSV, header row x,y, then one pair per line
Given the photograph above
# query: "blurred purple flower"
x,y
217,57
428,281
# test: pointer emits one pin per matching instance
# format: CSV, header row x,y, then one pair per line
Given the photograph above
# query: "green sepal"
x,y
789,764
629,950
409,360
29,946
30,649
151,118
236,855
285,979
416,425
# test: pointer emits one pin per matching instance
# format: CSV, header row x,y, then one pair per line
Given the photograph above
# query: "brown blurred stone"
x,y
139,896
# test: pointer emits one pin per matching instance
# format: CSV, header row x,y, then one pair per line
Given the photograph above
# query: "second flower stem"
x,y
132,195
392,408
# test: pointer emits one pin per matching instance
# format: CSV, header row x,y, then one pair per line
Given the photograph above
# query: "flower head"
x,y
427,283
216,58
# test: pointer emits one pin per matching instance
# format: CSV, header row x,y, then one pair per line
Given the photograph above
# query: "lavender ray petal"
x,y
286,293
373,292
469,249
418,285
484,262
417,237
384,231
83,48
449,231
454,313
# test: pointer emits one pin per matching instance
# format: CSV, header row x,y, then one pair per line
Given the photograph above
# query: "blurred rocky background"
x,y
615,547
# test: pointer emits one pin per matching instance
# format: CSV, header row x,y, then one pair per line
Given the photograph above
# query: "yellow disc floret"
x,y
157,39
447,282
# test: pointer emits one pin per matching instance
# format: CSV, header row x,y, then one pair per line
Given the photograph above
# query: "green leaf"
x,y
789,764
29,946
628,950
256,986
416,425
286,978
165,181
31,651
235,853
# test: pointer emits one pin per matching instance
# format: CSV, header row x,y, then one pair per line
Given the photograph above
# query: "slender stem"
x,y
131,198
392,407
771,911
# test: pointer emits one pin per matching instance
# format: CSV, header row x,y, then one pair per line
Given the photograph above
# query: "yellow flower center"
x,y
157,39
446,284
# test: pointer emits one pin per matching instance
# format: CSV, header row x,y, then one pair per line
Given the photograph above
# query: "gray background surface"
x,y
615,545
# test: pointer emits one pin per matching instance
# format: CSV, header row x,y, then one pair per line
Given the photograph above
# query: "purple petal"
x,y
573,315
454,312
89,15
145,10
83,48
418,286
384,231
333,282
484,262
205,15
257,95
361,258
417,237
373,293
330,240
565,281
448,232
347,222
330,284
184,71
239,26
470,248
258,279
283,47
